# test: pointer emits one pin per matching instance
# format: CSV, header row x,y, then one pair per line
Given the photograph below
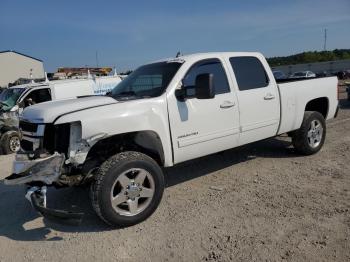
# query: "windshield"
x,y
146,81
9,97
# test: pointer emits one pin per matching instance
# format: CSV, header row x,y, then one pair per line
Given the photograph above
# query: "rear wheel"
x,y
10,142
310,137
127,189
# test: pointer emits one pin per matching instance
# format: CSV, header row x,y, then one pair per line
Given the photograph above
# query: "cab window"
x,y
37,96
249,72
209,66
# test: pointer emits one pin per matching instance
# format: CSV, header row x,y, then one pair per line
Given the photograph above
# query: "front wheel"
x,y
10,142
310,137
127,189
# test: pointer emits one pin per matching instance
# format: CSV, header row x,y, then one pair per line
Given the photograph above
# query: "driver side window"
x,y
209,66
37,96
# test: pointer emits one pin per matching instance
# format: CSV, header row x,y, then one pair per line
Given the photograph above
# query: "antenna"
x,y
325,40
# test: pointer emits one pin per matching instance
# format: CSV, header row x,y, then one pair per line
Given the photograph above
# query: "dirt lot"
x,y
260,202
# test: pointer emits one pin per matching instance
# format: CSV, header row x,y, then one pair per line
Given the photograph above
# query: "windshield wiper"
x,y
126,93
129,95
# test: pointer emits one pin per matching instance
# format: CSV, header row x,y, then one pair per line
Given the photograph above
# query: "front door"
x,y
35,96
203,126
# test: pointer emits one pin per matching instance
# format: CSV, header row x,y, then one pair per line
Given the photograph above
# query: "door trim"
x,y
259,125
208,137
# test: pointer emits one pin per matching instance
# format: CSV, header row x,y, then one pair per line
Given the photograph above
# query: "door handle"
x,y
227,104
269,96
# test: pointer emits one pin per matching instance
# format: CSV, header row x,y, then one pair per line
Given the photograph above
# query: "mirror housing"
x,y
14,108
180,94
204,86
21,104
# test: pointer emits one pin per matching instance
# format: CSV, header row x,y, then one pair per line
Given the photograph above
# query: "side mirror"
x,y
21,104
180,94
204,86
14,108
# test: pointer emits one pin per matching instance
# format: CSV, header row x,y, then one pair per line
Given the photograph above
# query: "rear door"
x,y
203,126
258,99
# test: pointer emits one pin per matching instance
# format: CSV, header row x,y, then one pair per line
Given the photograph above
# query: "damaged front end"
x,y
44,160
27,170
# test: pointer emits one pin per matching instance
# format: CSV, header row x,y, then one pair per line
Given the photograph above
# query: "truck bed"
x,y
295,94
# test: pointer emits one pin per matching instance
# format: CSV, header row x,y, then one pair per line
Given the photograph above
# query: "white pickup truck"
x,y
164,113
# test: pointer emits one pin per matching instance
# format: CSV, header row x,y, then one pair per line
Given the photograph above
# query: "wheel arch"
x,y
320,104
147,142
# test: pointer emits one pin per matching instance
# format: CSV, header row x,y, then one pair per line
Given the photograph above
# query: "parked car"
x,y
303,74
321,74
344,74
162,114
279,75
16,98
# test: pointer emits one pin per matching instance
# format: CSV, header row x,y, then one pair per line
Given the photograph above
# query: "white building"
x,y
14,65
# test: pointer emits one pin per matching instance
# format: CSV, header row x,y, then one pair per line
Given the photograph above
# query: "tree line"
x,y
310,57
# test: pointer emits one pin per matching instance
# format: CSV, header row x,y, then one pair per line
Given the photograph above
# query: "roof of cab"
x,y
199,56
29,85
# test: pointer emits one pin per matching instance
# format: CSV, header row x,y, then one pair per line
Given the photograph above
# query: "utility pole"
x,y
325,40
96,59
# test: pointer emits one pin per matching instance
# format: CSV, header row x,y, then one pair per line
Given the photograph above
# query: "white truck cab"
x,y
164,113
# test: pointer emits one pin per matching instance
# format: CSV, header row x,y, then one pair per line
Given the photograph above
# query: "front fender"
x,y
149,114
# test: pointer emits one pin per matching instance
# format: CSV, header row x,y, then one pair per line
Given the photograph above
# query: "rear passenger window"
x,y
210,66
249,72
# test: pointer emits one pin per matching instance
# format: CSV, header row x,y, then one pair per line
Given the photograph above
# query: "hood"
x,y
47,112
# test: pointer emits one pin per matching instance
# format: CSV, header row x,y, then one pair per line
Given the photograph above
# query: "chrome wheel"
x,y
315,133
14,144
132,192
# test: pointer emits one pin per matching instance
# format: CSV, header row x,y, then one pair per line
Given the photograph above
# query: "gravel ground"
x,y
260,202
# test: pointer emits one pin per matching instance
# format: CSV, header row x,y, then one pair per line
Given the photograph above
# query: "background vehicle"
x,y
303,74
344,74
14,99
279,75
162,114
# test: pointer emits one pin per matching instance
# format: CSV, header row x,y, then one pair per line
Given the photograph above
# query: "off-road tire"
x,y
5,142
300,139
109,172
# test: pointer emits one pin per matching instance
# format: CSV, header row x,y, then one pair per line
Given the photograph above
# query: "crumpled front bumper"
x,y
46,170
37,196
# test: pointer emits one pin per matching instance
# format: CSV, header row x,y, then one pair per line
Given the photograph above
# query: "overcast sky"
x,y
129,33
